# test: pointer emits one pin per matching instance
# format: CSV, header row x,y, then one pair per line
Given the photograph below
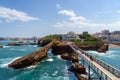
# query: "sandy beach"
x,y
114,46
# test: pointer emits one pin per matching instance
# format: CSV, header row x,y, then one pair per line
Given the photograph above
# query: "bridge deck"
x,y
95,65
102,69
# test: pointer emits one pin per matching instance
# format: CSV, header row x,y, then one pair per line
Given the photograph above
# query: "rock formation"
x,y
32,58
97,48
103,48
58,47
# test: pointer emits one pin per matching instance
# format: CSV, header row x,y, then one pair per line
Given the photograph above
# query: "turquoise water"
x,y
51,68
111,57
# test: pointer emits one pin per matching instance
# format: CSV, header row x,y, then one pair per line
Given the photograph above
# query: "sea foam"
x,y
5,61
50,59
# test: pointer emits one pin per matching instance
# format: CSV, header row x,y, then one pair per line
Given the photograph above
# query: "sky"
x,y
27,18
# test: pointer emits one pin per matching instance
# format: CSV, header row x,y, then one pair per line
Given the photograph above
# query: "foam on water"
x,y
59,56
50,60
35,46
109,54
4,62
55,73
30,67
12,49
4,46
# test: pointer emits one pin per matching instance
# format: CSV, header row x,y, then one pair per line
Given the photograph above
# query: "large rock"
x,y
76,67
42,42
61,47
31,59
14,44
99,48
103,48
70,56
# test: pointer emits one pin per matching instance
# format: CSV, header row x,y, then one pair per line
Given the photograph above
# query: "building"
x,y
105,32
85,32
69,36
115,33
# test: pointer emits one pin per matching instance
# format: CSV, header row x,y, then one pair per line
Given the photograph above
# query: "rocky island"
x,y
59,47
85,42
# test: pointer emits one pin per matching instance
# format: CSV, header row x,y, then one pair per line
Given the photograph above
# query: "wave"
x,y
18,49
55,73
59,56
110,54
35,45
4,46
50,59
5,61
12,49
30,67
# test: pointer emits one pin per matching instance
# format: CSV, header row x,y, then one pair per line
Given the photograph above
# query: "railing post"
x,y
83,62
89,72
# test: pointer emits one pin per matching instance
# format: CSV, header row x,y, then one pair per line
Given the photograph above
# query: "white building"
x,y
69,36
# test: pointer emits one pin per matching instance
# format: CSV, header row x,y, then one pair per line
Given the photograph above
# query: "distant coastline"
x,y
114,45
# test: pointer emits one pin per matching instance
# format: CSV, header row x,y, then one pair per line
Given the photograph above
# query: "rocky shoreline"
x,y
98,48
59,48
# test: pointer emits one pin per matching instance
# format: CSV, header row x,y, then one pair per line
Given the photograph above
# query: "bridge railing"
x,y
108,67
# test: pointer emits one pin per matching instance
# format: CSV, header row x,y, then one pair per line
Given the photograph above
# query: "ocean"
x,y
111,57
51,68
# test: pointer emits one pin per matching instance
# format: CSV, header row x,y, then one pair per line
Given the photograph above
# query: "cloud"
x,y
12,15
58,6
75,21
118,11
67,12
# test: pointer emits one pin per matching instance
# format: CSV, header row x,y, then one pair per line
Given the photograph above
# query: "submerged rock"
x,y
14,44
1,46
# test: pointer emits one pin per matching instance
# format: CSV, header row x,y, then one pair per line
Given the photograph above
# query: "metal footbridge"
x,y
106,71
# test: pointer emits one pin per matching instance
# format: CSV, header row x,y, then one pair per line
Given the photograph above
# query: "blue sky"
x,y
23,18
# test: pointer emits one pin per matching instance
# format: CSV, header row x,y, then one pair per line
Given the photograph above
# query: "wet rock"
x,y
103,48
1,46
61,47
14,44
78,68
42,42
66,56
31,59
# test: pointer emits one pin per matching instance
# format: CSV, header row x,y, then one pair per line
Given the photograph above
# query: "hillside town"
x,y
108,37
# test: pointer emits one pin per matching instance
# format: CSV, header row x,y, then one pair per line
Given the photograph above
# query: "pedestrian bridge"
x,y
106,71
